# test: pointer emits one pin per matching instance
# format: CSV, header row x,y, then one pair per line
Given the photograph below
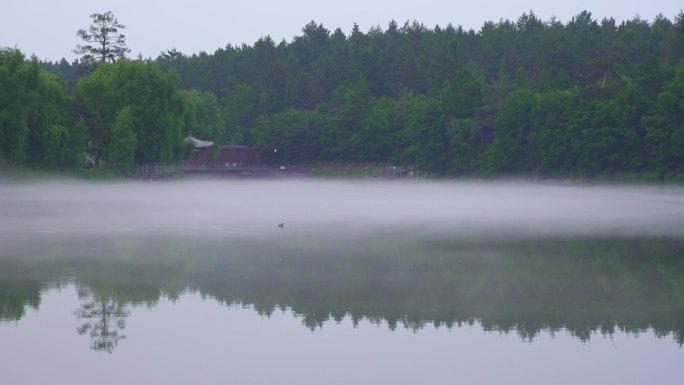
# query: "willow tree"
x,y
103,39
156,108
32,118
123,142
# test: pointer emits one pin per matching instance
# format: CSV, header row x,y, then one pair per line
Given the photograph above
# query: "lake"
x,y
340,282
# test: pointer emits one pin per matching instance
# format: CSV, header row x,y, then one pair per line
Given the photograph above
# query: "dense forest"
x,y
528,97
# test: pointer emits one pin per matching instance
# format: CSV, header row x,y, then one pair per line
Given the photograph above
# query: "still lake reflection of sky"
x,y
199,341
185,282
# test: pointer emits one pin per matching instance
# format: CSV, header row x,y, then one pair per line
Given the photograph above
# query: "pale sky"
x,y
47,28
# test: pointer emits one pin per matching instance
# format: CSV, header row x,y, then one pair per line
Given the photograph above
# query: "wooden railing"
x,y
217,165
157,170
366,170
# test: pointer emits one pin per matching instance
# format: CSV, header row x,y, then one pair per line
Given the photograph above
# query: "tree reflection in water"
x,y
581,285
104,320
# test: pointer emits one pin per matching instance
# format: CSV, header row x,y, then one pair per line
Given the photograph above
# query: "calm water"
x,y
402,283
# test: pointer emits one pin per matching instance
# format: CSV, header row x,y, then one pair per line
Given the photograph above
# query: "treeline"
x,y
119,114
525,97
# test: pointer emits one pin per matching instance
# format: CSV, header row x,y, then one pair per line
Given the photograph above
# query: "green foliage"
x,y
378,136
552,137
347,109
75,151
19,80
425,134
292,136
466,143
123,143
462,96
202,116
54,150
31,113
240,112
509,150
586,98
157,109
665,128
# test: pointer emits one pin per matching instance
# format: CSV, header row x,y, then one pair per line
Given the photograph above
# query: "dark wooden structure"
x,y
230,158
239,156
199,156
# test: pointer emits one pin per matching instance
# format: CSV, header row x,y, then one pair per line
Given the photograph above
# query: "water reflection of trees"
x,y
582,286
15,297
103,320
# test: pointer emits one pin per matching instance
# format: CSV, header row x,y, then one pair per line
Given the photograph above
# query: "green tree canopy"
x,y
156,107
124,142
32,113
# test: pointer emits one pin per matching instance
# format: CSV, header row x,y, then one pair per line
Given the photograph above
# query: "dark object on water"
x,y
281,225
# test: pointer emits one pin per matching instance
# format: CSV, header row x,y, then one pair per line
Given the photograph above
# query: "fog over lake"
x,y
340,282
242,206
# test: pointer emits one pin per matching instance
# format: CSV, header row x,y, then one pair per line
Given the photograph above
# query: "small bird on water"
x,y
281,225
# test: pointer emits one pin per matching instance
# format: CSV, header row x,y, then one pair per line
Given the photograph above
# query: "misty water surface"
x,y
258,206
365,282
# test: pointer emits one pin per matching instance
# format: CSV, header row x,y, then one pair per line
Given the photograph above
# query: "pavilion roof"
x,y
198,143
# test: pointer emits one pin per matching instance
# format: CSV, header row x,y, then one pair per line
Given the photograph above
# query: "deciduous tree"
x,y
124,142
